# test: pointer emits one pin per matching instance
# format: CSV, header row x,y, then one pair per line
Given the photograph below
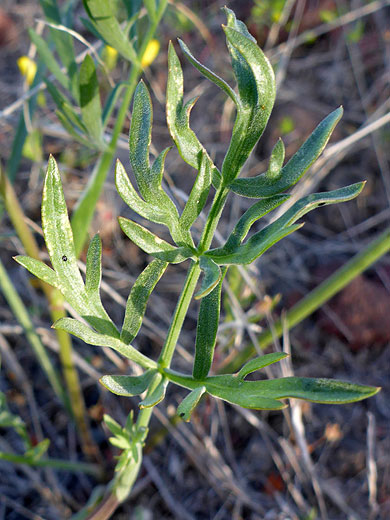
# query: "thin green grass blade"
x,y
103,19
150,6
111,102
91,110
48,58
63,41
72,131
66,108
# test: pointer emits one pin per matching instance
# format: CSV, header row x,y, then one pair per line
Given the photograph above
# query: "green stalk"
x,y
179,315
83,214
318,296
57,311
213,219
59,464
191,280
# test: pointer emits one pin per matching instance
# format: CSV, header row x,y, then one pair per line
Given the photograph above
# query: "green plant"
x,y
254,100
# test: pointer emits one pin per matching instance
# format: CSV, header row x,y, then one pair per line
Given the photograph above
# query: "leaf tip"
x,y
51,161
56,324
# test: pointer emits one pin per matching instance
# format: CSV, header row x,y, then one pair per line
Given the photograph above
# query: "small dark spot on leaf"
x,y
321,204
64,258
182,414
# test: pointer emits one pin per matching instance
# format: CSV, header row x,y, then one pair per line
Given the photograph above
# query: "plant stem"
x,y
59,464
213,219
56,307
83,214
191,280
179,315
318,296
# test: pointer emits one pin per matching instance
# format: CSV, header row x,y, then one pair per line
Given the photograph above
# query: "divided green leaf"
x,y
178,116
38,269
209,74
254,247
256,86
265,394
258,243
266,185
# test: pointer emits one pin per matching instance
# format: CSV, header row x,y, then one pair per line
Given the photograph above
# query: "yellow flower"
x,y
109,55
28,68
150,53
